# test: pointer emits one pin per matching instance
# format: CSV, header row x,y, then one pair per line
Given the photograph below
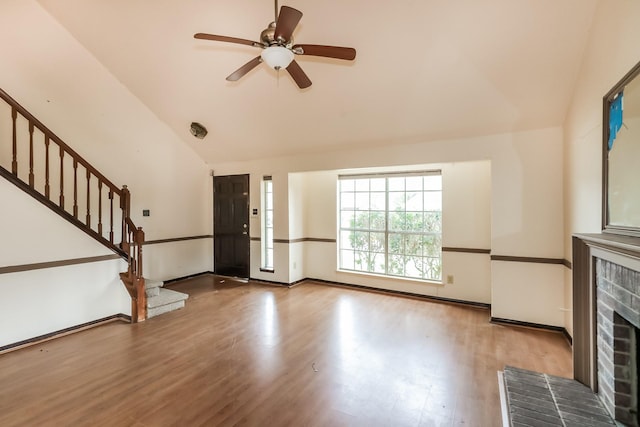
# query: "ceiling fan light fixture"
x,y
277,57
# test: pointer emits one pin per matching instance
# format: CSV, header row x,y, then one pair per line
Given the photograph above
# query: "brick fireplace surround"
x,y
606,307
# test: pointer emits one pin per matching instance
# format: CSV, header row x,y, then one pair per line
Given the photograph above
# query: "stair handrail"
x,y
53,137
132,237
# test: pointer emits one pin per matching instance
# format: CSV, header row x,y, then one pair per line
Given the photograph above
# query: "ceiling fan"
x,y
278,48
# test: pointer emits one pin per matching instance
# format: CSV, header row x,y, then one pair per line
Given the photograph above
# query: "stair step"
x,y
166,301
152,287
148,283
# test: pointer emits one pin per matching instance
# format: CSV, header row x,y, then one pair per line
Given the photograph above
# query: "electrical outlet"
x,y
450,279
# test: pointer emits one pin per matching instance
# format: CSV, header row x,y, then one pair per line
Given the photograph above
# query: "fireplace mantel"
x,y
618,259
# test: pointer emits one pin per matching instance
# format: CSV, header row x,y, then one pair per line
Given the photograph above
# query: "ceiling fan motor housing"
x,y
268,38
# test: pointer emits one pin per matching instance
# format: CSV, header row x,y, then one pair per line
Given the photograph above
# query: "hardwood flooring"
x,y
259,355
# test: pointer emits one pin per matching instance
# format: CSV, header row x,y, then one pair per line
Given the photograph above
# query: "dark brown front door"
x,y
231,225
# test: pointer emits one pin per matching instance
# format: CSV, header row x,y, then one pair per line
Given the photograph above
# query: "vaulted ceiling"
x,y
425,69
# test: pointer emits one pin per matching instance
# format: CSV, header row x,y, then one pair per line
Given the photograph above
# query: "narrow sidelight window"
x,y
391,224
267,223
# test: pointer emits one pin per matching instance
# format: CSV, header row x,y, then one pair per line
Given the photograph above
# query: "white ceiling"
x,y
424,69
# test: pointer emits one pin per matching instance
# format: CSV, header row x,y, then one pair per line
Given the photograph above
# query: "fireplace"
x,y
616,297
606,270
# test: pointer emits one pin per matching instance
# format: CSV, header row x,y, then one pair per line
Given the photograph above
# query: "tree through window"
x,y
392,224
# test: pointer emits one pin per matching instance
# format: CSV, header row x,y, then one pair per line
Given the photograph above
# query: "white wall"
x,y
41,301
611,52
64,86
526,210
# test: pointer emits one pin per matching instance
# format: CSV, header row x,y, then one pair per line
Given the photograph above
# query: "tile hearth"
x,y
539,400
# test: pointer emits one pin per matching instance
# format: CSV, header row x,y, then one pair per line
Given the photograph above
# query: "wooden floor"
x,y
259,355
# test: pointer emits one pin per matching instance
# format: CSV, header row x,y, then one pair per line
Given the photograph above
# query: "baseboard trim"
x,y
63,332
269,282
511,322
404,294
190,276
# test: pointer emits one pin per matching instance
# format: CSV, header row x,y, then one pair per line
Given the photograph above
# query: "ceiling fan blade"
x,y
214,37
287,22
298,75
236,75
337,52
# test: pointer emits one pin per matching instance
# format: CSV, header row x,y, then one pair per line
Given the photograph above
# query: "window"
x,y
267,223
392,224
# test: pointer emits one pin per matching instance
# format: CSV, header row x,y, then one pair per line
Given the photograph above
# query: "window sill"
x,y
389,277
267,270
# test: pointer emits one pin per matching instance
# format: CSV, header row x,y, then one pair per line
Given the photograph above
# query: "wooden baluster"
x,y
100,207
124,205
31,176
46,168
75,188
61,177
88,199
139,242
14,162
111,215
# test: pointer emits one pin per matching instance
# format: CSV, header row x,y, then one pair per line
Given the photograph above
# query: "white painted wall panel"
x,y
528,292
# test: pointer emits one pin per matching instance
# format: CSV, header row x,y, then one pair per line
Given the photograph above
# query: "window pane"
x,y
376,242
346,240
346,259
362,220
347,201
347,185
360,240
414,183
378,201
268,219
378,265
433,182
432,245
397,221
377,220
414,221
269,258
378,184
362,185
433,268
396,265
396,184
414,201
414,267
396,243
362,201
432,201
347,219
364,260
396,201
413,244
432,222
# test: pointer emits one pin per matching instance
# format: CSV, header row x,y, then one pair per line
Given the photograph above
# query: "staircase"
x,y
160,300
46,168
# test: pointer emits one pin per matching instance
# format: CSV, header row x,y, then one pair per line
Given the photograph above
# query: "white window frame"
x,y
382,248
